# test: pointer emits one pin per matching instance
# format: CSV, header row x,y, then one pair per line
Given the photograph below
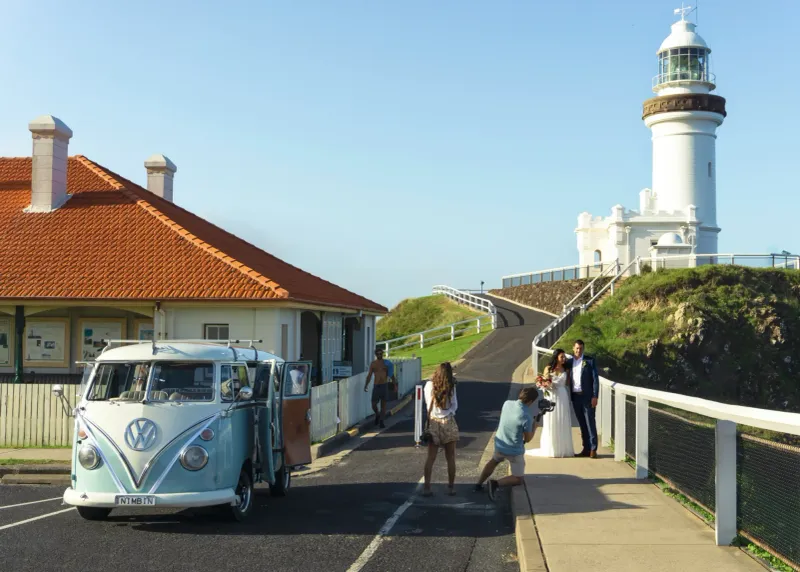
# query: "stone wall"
x,y
547,296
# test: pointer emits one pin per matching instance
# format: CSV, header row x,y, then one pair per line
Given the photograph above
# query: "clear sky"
x,y
390,145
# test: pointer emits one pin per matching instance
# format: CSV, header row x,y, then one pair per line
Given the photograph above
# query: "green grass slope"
x,y
418,314
725,333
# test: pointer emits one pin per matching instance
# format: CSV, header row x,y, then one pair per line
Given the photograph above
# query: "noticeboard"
x,y
46,342
95,333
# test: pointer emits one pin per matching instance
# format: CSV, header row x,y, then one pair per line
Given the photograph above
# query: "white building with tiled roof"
x,y
87,255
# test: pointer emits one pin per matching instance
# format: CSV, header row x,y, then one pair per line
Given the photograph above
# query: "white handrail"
x,y
590,285
466,298
780,421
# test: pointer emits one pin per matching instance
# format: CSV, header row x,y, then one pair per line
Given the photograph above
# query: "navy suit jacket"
x,y
590,381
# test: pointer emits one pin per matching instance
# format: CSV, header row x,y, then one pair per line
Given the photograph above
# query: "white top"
x,y
577,368
436,411
683,36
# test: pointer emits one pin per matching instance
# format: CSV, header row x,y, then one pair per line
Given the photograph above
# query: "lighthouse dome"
x,y
683,36
670,239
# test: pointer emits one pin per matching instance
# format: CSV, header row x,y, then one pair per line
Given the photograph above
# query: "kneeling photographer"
x,y
516,428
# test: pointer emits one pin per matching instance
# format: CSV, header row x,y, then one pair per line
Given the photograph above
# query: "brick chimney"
x,y
49,175
160,172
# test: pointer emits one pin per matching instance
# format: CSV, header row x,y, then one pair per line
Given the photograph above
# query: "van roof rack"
x,y
228,343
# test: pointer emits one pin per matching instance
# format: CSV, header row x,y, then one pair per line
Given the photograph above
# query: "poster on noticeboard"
x,y
5,341
46,342
95,334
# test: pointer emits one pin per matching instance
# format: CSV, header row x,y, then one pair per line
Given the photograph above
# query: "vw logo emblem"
x,y
140,434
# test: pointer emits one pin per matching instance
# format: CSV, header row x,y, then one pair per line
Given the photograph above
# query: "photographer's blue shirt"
x,y
515,419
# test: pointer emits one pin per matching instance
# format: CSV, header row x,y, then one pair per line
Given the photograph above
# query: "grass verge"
x,y
8,462
432,356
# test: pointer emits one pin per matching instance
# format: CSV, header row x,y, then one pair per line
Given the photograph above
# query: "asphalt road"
x,y
330,520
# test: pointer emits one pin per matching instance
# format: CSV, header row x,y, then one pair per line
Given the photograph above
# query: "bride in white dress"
x,y
556,440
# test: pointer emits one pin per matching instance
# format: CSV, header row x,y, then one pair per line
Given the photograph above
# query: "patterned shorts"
x,y
444,431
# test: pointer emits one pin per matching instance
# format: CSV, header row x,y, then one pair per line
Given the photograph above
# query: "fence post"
x,y
452,333
642,438
605,416
422,341
725,501
479,325
535,360
619,430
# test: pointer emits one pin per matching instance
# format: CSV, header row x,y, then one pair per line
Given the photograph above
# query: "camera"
x,y
546,406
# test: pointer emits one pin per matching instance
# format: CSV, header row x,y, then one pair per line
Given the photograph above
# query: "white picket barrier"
x,y
324,409
418,409
408,372
354,402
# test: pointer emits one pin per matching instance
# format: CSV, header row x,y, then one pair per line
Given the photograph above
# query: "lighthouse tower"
x,y
683,119
677,217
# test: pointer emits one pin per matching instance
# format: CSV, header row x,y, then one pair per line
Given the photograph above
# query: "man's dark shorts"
x,y
380,392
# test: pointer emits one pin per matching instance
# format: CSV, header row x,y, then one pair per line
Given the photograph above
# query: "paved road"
x,y
508,346
325,523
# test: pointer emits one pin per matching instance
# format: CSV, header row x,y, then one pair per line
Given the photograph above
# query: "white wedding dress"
x,y
556,440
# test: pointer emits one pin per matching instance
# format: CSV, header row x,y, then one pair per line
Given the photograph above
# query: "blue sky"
x,y
391,145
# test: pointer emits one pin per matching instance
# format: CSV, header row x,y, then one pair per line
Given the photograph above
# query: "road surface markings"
x,y
26,521
370,550
32,502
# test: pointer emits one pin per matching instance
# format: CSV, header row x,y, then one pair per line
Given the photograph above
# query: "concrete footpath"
x,y
592,514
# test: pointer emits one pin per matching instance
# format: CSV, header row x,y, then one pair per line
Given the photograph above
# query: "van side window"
x,y
232,378
296,381
261,383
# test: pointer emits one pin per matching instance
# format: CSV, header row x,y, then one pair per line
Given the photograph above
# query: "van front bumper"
x,y
176,500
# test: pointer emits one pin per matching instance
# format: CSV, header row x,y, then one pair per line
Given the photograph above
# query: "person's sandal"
x,y
451,491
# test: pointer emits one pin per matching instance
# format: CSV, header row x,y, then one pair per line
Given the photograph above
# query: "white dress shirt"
x,y
577,369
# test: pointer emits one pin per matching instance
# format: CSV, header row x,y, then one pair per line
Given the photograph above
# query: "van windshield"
x,y
170,381
176,381
120,381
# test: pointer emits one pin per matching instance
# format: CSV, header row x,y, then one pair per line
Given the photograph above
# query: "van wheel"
x,y
283,478
93,512
244,492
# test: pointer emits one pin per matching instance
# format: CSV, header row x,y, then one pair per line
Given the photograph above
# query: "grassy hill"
x,y
731,334
418,314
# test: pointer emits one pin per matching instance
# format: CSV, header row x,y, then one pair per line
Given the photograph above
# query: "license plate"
x,y
135,500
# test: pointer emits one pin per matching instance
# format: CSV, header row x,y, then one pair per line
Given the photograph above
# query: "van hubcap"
x,y
244,493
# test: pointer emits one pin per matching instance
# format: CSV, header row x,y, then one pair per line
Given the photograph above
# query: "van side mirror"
x,y
58,390
245,394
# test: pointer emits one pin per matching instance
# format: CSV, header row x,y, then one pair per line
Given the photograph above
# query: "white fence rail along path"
x,y
31,416
707,451
448,332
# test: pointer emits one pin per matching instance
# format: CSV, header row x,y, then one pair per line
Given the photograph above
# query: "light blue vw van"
x,y
187,424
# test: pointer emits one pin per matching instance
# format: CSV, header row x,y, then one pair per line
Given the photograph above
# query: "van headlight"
x,y
89,457
194,458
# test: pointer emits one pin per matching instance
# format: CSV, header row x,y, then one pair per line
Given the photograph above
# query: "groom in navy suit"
x,y
584,385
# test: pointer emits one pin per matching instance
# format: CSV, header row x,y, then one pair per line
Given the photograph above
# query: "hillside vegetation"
x,y
725,333
549,296
418,314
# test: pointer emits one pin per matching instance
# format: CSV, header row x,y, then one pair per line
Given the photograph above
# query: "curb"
x,y
529,548
329,445
54,469
29,479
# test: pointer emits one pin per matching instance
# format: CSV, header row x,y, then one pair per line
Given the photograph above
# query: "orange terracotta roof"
x,y
114,240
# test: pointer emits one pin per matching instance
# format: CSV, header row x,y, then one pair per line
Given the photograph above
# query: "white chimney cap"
x,y
49,125
159,161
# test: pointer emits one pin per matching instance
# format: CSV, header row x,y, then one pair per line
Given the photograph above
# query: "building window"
x,y
709,169
598,257
216,332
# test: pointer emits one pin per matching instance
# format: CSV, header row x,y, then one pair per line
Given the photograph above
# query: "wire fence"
x,y
768,495
682,453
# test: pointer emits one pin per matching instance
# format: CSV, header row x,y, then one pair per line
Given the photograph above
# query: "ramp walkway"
x,y
592,514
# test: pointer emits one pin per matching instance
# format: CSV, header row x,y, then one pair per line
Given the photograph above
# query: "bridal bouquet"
x,y
545,383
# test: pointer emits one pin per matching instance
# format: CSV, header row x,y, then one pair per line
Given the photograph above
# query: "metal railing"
x,y
707,451
684,75
466,298
556,274
590,287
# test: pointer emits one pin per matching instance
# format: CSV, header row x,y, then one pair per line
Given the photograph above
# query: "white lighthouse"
x,y
678,215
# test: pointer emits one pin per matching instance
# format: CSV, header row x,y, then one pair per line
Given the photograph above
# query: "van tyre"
x,y
244,492
93,512
283,479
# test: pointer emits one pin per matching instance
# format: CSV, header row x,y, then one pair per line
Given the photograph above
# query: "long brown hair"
x,y
443,384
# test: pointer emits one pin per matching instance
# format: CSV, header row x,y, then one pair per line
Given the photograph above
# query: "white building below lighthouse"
x,y
678,215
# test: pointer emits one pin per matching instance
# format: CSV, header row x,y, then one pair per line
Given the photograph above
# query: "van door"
x,y
296,412
264,396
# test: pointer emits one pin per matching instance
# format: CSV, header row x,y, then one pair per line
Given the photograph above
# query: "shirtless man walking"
x,y
380,390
